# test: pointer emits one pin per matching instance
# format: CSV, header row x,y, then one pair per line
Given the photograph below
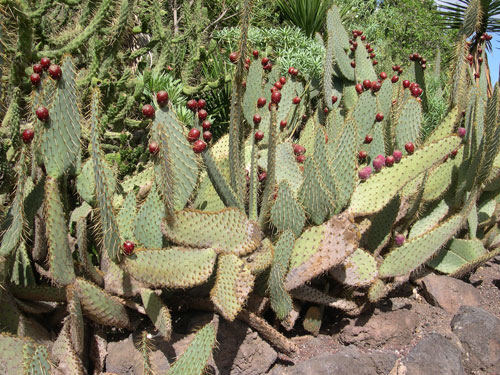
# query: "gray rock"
x,y
348,361
449,293
434,355
479,333
394,328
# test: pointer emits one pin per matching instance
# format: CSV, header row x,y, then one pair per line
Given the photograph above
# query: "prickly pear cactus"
x,y
305,192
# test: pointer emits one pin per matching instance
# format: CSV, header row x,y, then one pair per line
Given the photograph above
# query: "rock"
x,y
394,328
479,333
449,293
348,361
434,355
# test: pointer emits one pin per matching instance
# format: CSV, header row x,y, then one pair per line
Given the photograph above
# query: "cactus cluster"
x,y
280,209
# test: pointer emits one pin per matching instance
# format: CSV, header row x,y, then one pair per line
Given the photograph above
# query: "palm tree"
x,y
474,18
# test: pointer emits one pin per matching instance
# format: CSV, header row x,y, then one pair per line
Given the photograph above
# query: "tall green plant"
x,y
309,15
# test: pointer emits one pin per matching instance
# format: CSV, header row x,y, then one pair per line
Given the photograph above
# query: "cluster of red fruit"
x,y
299,152
194,134
381,161
487,37
368,47
414,87
42,113
417,58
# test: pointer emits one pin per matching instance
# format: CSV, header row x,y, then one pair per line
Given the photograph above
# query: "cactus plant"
x,y
191,221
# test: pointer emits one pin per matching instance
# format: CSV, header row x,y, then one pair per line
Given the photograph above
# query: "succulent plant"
x,y
262,212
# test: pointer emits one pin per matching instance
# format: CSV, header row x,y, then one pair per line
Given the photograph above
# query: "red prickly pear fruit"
x,y
394,68
334,99
363,37
376,86
326,110
45,63
398,155
304,118
202,114
247,66
480,60
359,88
257,119
282,80
370,50
192,105
365,173
399,239
255,53
379,117
389,160
383,75
283,124
406,83
367,84
454,153
148,111
479,50
295,72
378,163
298,149
375,62
296,100
262,176
461,132
290,70
276,97
35,79
412,57
278,85
477,75
206,125
360,32
362,155
353,48
355,45
42,113
273,89
413,85
233,57
193,135
153,147
244,84
368,139
199,146
415,91
259,136
201,104
128,247
28,135
410,148
37,68
55,71
162,98
264,61
353,64
424,66
247,61
394,79
207,136
300,158
470,57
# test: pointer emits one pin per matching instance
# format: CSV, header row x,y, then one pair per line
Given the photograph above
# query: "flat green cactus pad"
x,y
172,268
460,254
359,269
374,194
320,248
233,284
227,230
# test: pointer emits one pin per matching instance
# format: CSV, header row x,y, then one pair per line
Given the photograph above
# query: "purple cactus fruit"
x,y
400,239
378,163
461,132
365,173
389,160
398,155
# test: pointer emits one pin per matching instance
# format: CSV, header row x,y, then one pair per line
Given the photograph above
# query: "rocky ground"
x,y
437,325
